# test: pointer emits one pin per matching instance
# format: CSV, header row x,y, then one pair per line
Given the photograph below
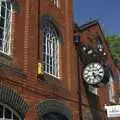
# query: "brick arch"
x,y
48,18
53,105
12,99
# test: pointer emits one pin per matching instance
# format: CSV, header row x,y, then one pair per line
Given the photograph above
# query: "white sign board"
x,y
113,111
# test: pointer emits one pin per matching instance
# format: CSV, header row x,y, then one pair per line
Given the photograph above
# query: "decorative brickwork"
x,y
44,94
12,99
56,106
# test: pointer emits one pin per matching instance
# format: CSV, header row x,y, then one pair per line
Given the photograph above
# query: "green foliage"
x,y
114,44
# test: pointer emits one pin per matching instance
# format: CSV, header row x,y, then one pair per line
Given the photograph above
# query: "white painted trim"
x,y
56,3
12,111
51,43
6,31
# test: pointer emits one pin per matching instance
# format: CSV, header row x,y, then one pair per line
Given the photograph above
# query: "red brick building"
x,y
41,64
93,48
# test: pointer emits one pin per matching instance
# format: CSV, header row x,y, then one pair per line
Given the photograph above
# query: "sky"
x,y
107,12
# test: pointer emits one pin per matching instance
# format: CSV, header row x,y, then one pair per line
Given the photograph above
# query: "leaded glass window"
x,y
6,113
50,49
5,26
111,91
56,3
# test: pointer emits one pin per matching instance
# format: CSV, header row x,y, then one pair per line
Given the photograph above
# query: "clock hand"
x,y
97,76
100,76
94,75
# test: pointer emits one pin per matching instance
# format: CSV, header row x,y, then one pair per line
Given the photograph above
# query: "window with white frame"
x,y
5,26
56,3
50,49
111,89
6,113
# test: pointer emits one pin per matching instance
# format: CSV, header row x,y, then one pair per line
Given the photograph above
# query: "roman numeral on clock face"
x,y
93,73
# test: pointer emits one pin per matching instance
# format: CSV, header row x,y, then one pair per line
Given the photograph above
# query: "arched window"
x,y
6,113
50,48
5,26
56,3
53,116
52,109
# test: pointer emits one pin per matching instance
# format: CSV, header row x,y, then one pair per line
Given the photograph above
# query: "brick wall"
x,y
27,52
26,36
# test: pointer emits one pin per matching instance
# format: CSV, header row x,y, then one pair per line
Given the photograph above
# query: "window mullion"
x,y
46,49
3,112
58,4
4,34
0,8
12,115
49,50
58,55
52,54
10,29
55,57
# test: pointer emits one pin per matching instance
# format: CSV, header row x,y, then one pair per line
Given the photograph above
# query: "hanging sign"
x,y
113,111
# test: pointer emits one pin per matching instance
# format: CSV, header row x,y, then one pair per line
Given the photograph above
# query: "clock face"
x,y
93,73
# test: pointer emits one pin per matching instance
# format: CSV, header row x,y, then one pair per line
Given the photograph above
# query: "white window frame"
x,y
111,89
51,49
6,33
12,112
56,3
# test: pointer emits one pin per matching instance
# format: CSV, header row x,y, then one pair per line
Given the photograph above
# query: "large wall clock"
x,y
93,73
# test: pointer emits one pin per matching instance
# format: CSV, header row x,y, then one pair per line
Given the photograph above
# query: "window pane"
x,y
15,117
53,116
1,33
8,5
1,111
8,113
1,44
2,22
47,59
3,12
48,68
51,61
3,4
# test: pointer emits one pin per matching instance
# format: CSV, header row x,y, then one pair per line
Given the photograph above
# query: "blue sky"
x,y
106,11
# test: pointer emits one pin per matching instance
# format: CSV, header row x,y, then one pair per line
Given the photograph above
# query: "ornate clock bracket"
x,y
90,54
